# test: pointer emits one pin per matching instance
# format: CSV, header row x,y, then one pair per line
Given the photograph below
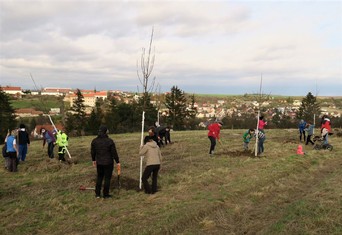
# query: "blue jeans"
x,y
261,145
325,139
22,152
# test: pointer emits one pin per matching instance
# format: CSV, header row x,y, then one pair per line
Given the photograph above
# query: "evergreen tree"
x,y
76,119
175,102
150,110
7,115
111,117
95,119
192,121
309,108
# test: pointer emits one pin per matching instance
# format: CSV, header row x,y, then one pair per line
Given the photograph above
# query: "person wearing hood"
x,y
152,154
103,154
24,142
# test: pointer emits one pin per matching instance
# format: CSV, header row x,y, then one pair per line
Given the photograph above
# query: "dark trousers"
x,y
212,144
103,171
301,133
167,137
50,150
12,161
61,153
22,152
308,139
152,169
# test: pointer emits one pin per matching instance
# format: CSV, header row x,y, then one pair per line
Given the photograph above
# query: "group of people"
x,y
104,154
214,135
16,146
17,142
307,127
57,137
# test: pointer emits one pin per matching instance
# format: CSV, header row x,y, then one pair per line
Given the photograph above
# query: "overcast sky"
x,y
212,47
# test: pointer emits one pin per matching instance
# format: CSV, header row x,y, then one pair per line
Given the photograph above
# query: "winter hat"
x,y
103,129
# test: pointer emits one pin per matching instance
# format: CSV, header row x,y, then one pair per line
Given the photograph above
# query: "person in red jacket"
x,y
325,128
213,134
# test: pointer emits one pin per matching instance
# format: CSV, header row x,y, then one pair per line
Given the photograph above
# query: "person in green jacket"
x,y
247,136
62,142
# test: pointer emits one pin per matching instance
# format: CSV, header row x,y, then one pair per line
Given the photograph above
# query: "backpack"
x,y
4,150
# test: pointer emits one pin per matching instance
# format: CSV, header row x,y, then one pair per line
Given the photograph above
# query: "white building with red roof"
x,y
12,90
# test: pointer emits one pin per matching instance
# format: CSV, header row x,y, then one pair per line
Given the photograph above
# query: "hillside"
x,y
230,193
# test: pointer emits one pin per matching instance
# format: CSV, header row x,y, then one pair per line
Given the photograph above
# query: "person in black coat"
x,y
24,142
103,154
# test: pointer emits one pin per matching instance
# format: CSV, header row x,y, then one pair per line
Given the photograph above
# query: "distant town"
x,y
207,107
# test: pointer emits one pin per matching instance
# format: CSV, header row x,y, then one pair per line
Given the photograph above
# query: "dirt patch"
x,y
236,153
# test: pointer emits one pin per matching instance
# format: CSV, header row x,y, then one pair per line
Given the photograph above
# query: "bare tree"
x,y
146,67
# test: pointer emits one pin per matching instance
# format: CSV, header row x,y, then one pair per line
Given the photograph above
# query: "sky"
x,y
202,47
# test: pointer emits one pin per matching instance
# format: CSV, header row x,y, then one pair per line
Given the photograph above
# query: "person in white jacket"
x,y
153,156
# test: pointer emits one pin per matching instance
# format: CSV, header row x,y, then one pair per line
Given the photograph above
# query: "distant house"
x,y
89,98
12,90
56,91
297,103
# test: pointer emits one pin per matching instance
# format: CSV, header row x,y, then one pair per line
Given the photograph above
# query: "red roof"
x,y
49,127
11,88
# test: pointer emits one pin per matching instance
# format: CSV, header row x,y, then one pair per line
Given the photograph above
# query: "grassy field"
x,y
38,103
230,193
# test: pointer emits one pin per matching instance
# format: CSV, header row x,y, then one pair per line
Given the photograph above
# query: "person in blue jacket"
x,y
12,150
301,127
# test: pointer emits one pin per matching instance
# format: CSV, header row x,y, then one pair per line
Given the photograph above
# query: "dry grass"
x,y
230,193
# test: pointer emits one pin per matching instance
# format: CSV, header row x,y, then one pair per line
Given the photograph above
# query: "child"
x,y
309,129
262,123
261,140
214,134
247,136
12,151
301,127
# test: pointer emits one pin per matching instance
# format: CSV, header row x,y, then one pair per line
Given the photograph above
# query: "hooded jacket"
x,y
23,137
151,152
103,150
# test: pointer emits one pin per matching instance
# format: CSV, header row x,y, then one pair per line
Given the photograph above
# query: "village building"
x,y
12,90
89,98
56,91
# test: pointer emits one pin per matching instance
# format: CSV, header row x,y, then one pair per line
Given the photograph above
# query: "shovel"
x,y
85,188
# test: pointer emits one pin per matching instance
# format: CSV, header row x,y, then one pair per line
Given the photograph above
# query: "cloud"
x,y
198,44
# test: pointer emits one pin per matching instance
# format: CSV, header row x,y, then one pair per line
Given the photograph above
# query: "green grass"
x,y
230,193
39,103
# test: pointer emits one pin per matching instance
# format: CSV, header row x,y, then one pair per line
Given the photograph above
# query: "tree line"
x,y
121,117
